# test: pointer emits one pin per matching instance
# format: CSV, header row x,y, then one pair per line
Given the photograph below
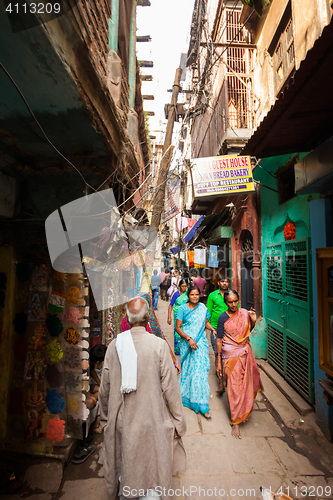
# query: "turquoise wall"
x,y
258,339
273,215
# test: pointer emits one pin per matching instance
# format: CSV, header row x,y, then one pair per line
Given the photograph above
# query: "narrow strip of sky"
x,y
168,23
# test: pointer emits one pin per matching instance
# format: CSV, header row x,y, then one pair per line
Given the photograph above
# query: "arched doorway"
x,y
247,296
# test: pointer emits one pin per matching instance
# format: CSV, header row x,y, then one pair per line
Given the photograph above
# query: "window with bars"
x,y
282,51
239,70
235,31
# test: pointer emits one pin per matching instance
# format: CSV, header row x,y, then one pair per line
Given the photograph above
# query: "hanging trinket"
x,y
55,402
54,351
55,429
57,301
139,257
38,340
72,336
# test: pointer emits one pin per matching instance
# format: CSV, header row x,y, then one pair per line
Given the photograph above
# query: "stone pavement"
x,y
279,449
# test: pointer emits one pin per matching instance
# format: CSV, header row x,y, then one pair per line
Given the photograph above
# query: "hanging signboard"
x,y
219,175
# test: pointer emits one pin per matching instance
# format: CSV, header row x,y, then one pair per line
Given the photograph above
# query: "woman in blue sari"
x,y
191,324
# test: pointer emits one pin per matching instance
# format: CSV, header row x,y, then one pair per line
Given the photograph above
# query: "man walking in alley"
x,y
141,412
164,275
155,288
216,306
200,282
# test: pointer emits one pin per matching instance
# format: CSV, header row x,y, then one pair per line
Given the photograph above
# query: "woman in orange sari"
x,y
241,372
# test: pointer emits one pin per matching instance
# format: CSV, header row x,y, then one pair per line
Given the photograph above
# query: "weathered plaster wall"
x,y
309,18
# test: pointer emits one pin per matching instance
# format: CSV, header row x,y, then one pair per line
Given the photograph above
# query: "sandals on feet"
x,y
82,454
207,415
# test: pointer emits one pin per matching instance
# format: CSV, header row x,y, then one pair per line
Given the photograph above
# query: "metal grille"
x,y
236,59
296,277
235,31
274,273
275,347
296,246
239,102
297,360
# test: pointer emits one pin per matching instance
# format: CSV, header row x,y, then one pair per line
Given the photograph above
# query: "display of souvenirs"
x,y
72,380
74,296
149,258
84,334
38,340
55,429
73,315
57,301
72,336
37,308
54,376
74,403
34,424
84,344
139,257
39,278
72,357
55,402
35,399
54,325
125,261
34,366
54,351
75,279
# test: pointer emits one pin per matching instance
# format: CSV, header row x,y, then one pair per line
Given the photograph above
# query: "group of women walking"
x,y
235,359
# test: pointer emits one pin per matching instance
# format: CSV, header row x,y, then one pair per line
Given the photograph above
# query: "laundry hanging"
x,y
200,256
190,257
212,257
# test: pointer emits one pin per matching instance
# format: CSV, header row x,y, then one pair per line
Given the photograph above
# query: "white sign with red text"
x,y
219,175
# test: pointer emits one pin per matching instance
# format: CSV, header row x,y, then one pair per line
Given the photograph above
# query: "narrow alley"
x,y
280,449
153,149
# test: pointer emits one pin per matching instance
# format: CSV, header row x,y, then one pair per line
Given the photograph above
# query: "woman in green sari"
x,y
178,299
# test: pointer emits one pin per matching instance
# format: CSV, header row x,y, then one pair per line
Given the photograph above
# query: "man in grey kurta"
x,y
140,426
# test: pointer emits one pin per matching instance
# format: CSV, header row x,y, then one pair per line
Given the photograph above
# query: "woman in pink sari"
x,y
240,369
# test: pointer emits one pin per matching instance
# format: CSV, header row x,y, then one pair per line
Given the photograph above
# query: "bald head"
x,y
137,311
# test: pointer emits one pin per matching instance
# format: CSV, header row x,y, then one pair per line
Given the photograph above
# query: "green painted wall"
x,y
273,218
113,27
258,339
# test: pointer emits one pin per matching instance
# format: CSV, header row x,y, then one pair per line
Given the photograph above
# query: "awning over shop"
x,y
210,223
192,231
314,173
221,232
301,118
176,249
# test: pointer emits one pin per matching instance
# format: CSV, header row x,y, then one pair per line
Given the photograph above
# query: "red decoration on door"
x,y
290,231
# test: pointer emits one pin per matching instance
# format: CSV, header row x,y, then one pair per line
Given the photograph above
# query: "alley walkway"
x,y
279,448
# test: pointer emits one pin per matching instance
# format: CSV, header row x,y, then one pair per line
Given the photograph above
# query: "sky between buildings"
x,y
168,24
